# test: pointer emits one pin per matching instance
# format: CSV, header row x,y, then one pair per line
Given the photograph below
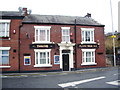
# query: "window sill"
x,y
42,42
88,42
43,65
88,64
5,66
5,38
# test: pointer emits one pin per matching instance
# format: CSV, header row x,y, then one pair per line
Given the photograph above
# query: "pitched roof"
x,y
50,19
10,13
57,19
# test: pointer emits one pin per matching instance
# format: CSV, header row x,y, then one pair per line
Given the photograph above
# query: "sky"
x,y
100,9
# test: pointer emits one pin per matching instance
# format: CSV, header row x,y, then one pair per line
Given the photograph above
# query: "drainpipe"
x,y
19,48
24,13
75,44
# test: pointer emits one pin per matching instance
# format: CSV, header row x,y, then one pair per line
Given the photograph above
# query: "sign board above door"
x,y
42,46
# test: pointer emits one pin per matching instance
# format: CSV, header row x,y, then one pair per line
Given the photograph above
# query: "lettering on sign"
x,y
88,45
46,46
42,46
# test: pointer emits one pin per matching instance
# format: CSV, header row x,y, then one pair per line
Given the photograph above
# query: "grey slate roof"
x,y
51,19
57,19
10,13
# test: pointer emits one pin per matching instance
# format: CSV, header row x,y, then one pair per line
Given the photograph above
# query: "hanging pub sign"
x,y
42,46
88,45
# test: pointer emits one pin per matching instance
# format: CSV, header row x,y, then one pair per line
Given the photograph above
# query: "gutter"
x,y
62,24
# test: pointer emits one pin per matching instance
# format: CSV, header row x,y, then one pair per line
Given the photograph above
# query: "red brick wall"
x,y
13,43
99,58
55,36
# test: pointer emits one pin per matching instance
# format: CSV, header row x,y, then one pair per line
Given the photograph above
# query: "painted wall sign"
x,y
88,45
42,46
56,59
27,60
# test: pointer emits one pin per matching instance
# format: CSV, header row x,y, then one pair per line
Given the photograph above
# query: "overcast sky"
x,y
100,9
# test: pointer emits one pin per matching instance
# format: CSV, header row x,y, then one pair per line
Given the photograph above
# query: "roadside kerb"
x,y
53,73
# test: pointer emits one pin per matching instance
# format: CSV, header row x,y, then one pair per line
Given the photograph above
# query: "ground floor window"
x,y
4,56
88,56
42,58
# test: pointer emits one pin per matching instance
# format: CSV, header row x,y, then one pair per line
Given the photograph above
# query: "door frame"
x,y
67,46
68,61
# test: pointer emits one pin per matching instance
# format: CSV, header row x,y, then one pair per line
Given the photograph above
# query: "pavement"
x,y
55,73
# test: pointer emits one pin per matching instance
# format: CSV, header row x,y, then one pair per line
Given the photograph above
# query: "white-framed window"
x,y
42,58
88,57
65,34
4,56
42,34
4,28
87,35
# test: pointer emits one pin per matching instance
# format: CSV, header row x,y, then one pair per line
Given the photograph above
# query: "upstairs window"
x,y
65,34
42,34
4,28
87,35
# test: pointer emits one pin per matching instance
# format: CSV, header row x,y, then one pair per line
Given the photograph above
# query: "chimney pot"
x,y
25,11
88,15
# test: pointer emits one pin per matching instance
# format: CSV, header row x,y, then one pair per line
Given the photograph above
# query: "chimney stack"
x,y
88,15
24,11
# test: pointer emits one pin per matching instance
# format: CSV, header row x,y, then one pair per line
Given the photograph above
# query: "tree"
x,y
109,43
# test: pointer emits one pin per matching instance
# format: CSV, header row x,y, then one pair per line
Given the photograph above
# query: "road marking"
x,y
63,74
3,76
63,85
75,87
14,76
43,75
24,75
117,82
115,74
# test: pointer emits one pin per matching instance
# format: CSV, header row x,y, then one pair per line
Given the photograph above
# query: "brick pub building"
x,y
53,42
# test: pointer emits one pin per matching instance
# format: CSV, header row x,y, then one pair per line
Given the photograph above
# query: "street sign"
x,y
113,36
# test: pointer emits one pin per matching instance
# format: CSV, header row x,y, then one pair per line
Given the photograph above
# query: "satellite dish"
x,y
29,11
20,9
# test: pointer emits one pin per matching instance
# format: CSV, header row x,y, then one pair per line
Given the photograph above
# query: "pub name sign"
x,y
42,46
88,45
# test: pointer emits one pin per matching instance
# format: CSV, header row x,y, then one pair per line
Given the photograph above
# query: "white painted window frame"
x,y
5,48
84,56
6,22
42,65
65,28
87,29
42,28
